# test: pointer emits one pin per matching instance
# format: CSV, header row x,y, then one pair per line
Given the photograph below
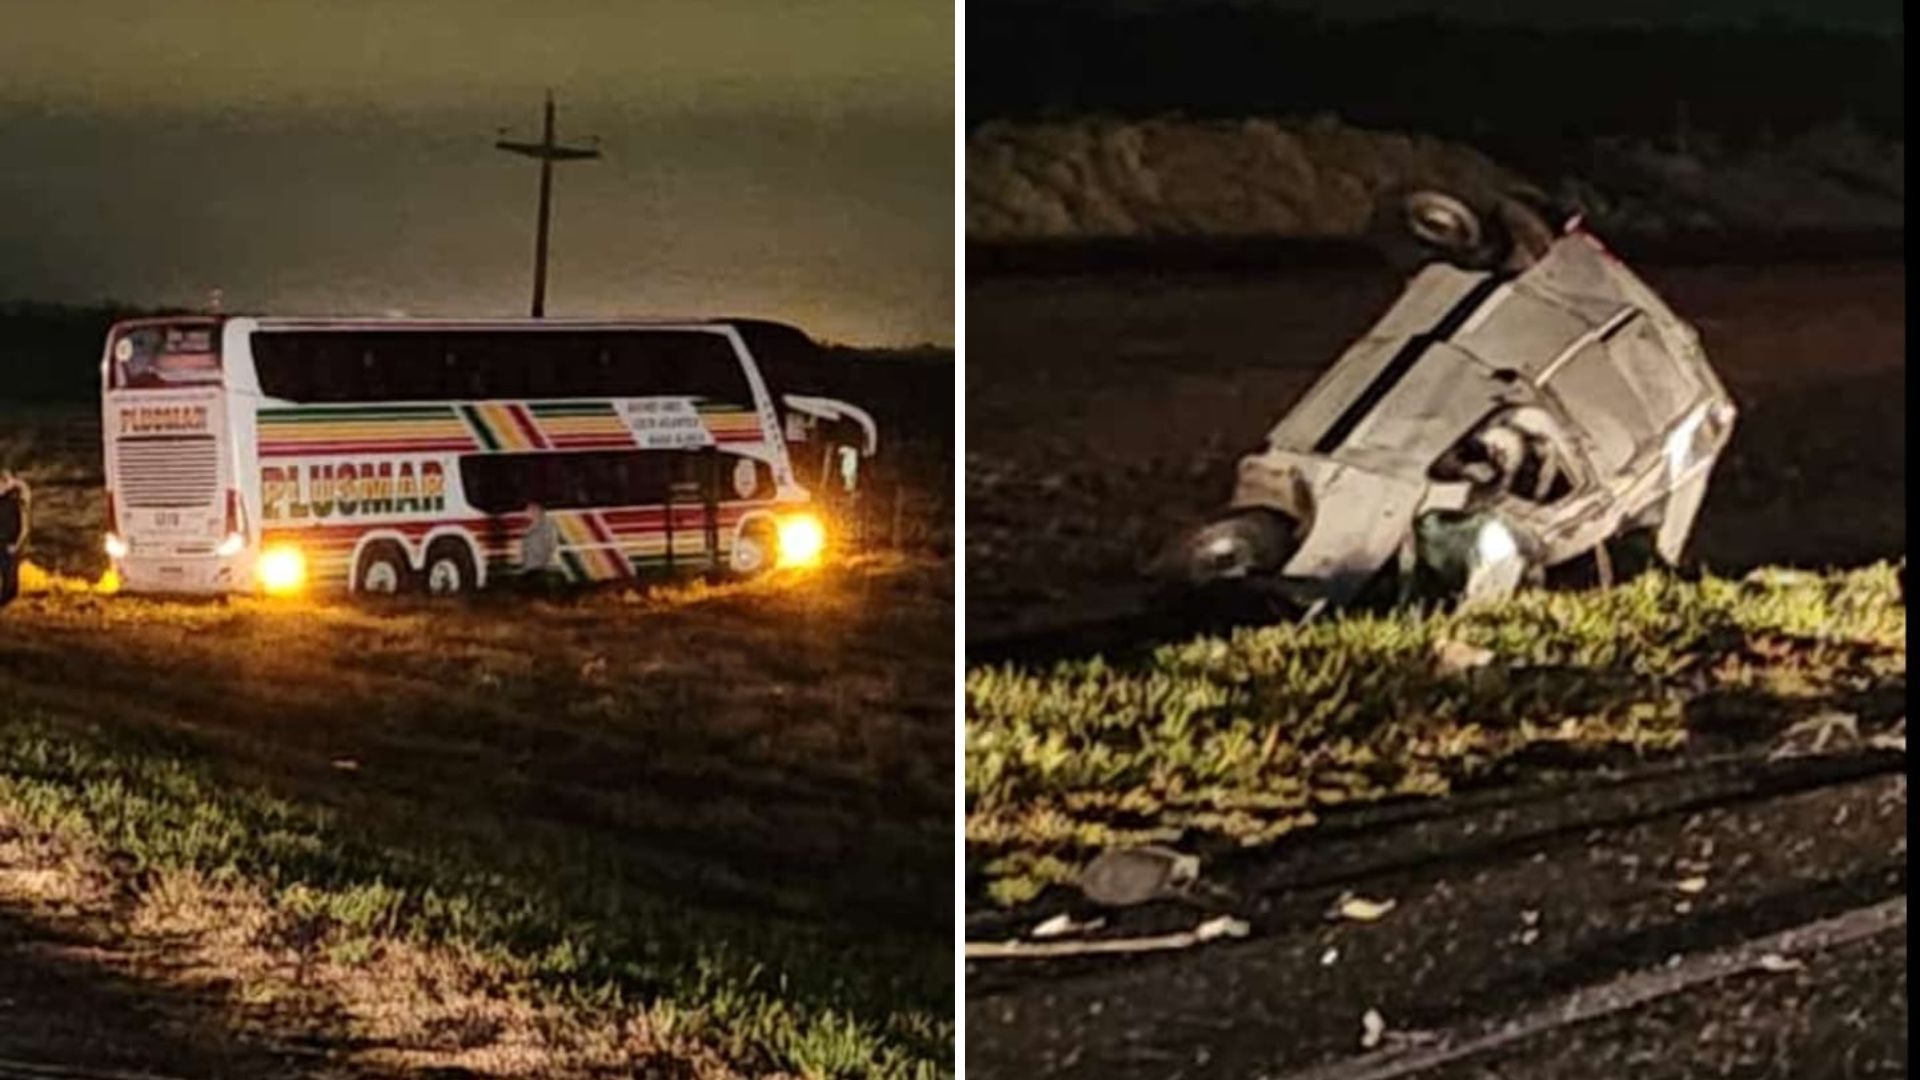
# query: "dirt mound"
x,y
1100,179
1180,178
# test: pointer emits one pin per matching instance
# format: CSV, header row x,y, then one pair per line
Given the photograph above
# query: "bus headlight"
x,y
802,540
231,546
282,570
116,547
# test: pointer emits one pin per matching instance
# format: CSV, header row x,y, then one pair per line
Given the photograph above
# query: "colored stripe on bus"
x,y
479,426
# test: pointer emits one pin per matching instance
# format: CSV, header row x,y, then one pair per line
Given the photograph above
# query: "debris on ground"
x,y
1065,925
1452,657
1813,734
1361,909
1373,1028
1124,877
1215,929
1894,738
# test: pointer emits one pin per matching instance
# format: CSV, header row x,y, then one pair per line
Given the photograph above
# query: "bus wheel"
x,y
450,570
755,551
382,569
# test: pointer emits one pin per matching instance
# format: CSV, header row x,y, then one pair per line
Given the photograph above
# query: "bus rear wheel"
x,y
450,569
382,570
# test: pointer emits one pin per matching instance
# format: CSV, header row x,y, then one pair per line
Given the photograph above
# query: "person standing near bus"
x,y
16,503
538,547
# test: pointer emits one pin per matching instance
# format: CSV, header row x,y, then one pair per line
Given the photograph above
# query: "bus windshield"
x,y
160,356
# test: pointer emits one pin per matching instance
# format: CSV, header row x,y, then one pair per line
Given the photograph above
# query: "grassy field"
x,y
1216,743
700,831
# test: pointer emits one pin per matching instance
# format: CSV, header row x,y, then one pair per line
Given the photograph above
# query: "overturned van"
x,y
1526,403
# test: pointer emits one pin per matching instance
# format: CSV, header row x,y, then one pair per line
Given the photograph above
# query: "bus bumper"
x,y
182,575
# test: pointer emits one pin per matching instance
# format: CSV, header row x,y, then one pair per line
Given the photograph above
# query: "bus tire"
x,y
450,569
755,551
382,570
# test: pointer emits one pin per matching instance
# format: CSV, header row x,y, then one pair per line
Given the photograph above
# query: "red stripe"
x,y
526,425
392,447
599,530
410,529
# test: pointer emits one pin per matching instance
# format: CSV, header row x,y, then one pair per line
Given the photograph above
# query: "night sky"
x,y
787,160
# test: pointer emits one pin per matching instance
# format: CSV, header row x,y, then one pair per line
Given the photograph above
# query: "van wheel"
x,y
382,570
450,569
755,551
1443,222
1416,225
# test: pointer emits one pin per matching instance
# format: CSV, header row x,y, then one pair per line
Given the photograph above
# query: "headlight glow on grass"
x,y
282,570
802,540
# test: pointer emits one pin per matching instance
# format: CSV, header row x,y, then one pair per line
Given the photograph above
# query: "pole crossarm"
x,y
546,152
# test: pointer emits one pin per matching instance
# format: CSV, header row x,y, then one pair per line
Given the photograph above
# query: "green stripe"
x,y
479,427
572,408
575,571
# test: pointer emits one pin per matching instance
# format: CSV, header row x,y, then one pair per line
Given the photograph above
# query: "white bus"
x,y
278,454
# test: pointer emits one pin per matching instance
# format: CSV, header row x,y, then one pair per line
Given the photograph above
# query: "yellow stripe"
x,y
500,422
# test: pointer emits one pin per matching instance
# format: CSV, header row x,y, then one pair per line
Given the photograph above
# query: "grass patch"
x,y
728,979
716,814
1244,739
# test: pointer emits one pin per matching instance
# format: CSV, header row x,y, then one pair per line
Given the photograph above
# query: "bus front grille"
x,y
174,472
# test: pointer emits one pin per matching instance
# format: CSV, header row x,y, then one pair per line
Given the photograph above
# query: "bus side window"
x,y
712,369
333,369
550,364
504,369
643,368
370,376
452,373
286,365
545,379
411,366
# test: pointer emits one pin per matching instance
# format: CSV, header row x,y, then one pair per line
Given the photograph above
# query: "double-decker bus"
x,y
382,456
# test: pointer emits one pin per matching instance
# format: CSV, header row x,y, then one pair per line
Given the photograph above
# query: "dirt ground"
x,y
1495,909
725,806
1105,412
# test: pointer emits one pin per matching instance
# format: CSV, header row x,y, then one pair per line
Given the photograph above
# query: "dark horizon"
x,y
1535,82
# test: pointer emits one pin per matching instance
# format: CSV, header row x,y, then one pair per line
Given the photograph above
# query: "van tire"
x,y
449,569
1416,225
382,570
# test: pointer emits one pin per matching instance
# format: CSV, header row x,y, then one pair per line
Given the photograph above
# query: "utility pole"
x,y
546,151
